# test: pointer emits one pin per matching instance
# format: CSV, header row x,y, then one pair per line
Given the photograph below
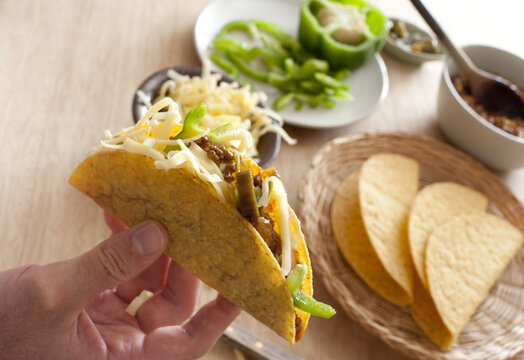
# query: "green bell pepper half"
x,y
320,40
303,301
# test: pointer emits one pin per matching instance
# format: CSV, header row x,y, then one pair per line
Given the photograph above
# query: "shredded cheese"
x,y
226,103
134,305
278,193
153,133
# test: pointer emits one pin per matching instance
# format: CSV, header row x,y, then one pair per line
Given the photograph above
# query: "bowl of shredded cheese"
x,y
259,127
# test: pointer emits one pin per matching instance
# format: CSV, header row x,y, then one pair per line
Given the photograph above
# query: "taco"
x,y
228,221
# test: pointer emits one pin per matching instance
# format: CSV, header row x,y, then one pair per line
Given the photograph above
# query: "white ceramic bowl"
x,y
494,147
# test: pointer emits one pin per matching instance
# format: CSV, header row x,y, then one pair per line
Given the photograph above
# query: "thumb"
x,y
116,260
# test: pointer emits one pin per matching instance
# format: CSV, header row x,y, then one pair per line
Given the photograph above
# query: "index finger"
x,y
197,336
206,326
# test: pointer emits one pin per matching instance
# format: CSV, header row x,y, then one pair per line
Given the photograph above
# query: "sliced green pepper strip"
x,y
321,40
303,301
244,67
225,64
247,202
283,101
330,81
312,100
341,74
214,135
279,80
342,94
222,129
326,102
286,64
228,44
312,87
310,67
272,59
191,128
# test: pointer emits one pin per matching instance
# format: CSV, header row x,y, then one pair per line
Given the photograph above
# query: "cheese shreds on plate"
x,y
226,103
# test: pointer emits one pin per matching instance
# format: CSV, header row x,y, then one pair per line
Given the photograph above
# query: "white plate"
x,y
368,84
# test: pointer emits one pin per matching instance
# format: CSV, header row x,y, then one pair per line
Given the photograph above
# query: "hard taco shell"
x,y
207,235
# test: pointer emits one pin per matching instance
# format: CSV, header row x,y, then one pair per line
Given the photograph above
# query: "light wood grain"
x,y
68,71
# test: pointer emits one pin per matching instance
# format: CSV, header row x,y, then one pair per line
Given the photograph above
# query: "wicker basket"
x,y
496,331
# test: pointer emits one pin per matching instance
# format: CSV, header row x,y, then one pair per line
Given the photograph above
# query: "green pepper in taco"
x,y
228,221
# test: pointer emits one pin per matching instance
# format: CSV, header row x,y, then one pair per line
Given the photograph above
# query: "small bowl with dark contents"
x,y
409,43
157,85
495,139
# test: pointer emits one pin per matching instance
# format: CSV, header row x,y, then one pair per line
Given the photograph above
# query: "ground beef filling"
x,y
224,158
264,225
298,324
257,180
512,125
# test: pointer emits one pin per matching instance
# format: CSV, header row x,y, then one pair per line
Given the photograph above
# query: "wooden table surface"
x,y
68,71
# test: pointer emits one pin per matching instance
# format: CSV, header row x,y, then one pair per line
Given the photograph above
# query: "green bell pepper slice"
x,y
303,301
247,202
321,39
191,128
275,57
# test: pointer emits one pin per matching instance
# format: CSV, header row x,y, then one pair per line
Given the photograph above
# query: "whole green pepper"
x,y
323,39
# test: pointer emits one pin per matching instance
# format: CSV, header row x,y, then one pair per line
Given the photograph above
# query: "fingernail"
x,y
148,239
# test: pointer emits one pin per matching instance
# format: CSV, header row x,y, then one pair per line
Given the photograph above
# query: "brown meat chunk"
x,y
257,180
220,155
298,323
264,226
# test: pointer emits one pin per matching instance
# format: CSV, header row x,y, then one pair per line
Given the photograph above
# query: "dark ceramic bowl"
x,y
268,145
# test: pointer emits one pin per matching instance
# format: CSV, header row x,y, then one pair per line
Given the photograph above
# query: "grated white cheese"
x,y
142,148
120,138
137,302
226,103
153,133
278,193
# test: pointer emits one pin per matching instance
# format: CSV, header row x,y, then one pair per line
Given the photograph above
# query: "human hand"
x,y
75,309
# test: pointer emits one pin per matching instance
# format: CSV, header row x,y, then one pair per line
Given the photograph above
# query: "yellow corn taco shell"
x,y
464,257
434,204
354,244
426,315
388,185
207,235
